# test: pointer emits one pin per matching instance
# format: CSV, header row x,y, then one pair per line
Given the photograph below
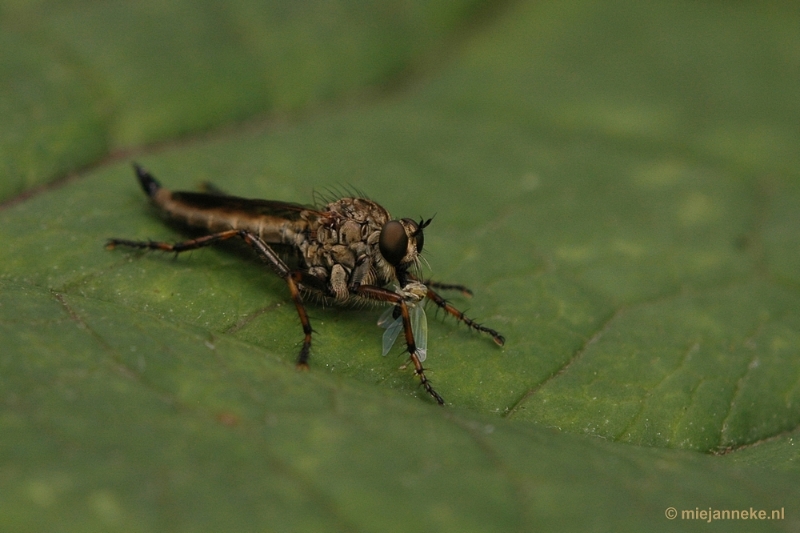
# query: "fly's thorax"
x,y
359,210
355,241
350,229
342,247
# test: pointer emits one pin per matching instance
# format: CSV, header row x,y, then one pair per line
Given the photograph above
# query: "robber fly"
x,y
347,251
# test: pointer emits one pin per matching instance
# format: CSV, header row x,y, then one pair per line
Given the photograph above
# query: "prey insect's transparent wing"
x,y
393,328
419,327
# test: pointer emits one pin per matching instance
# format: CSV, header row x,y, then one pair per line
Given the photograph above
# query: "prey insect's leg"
x,y
444,304
384,295
293,278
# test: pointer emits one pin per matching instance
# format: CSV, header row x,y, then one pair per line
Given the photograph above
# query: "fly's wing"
x,y
274,222
236,204
419,327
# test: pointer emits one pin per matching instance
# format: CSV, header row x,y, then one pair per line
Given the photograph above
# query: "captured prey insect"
x,y
347,251
412,294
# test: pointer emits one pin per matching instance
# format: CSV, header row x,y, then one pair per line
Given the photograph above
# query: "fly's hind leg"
x,y
178,247
294,279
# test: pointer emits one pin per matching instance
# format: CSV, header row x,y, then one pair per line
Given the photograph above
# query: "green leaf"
x,y
80,78
618,184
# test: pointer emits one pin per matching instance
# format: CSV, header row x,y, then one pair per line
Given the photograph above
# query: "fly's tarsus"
x,y
424,381
338,252
448,287
461,317
293,280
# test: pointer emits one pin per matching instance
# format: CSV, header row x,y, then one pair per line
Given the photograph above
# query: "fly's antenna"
x,y
149,184
422,224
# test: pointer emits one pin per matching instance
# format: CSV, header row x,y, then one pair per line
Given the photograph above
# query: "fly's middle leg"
x,y
294,279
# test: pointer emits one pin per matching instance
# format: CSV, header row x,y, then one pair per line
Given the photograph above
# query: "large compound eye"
x,y
393,242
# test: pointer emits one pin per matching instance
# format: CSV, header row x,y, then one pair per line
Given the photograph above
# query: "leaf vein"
x,y
604,327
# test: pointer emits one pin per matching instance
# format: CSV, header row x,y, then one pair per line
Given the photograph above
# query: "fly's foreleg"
x,y
460,316
294,279
436,298
384,295
448,287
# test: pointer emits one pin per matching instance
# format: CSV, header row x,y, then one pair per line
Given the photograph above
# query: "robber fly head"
x,y
401,241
